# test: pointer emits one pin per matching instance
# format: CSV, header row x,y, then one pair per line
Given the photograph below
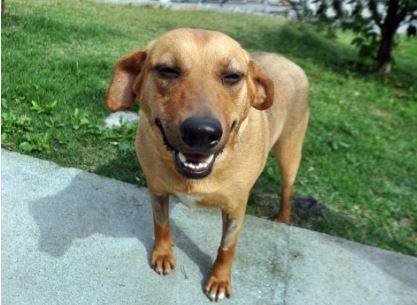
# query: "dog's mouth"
x,y
194,166
190,165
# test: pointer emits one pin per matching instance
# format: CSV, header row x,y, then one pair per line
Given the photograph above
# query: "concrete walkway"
x,y
71,237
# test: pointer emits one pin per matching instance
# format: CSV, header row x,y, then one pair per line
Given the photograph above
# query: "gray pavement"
x,y
72,237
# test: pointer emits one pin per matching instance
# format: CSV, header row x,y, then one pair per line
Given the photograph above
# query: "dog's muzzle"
x,y
200,136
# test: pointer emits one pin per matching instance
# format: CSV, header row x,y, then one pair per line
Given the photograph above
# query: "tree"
x,y
375,23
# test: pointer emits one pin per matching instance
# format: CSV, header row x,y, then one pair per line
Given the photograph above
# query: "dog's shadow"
x,y
89,206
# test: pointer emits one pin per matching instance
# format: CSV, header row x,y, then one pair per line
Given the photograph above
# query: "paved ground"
x,y
70,237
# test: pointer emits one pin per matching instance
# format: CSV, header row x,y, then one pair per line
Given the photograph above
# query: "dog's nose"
x,y
201,134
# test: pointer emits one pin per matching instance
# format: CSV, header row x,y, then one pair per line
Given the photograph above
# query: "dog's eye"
x,y
168,72
231,78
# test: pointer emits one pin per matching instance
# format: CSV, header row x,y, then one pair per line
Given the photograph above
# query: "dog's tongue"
x,y
196,158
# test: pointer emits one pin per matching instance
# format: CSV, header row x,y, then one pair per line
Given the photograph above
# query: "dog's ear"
x,y
121,93
261,89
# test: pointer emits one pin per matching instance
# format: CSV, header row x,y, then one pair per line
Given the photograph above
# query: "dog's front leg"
x,y
219,284
163,260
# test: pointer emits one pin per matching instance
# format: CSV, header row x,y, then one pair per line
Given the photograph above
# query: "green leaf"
x,y
4,104
26,147
43,109
84,121
124,147
36,107
76,113
357,41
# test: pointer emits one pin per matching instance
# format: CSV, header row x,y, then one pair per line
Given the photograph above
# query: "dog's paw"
x,y
216,289
163,263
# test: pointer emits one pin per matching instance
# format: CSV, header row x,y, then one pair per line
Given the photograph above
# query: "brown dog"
x,y
203,137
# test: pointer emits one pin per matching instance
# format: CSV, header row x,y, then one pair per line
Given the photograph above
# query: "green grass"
x,y
360,153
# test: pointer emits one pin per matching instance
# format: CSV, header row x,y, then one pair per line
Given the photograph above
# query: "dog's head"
x,y
195,88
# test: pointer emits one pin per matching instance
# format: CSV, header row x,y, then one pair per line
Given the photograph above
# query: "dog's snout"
x,y
201,134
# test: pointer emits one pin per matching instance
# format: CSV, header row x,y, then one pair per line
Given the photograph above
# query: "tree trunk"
x,y
388,29
384,57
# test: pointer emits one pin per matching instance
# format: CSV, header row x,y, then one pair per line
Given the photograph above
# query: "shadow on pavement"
x,y
87,207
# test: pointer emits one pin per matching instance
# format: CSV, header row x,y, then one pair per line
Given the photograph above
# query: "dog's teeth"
x,y
182,157
210,158
195,166
189,165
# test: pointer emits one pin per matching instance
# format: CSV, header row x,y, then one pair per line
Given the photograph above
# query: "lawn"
x,y
360,153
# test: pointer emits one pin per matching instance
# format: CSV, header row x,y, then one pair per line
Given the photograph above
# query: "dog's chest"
x,y
188,200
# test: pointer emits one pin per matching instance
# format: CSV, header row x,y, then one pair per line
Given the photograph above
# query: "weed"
x,y
43,109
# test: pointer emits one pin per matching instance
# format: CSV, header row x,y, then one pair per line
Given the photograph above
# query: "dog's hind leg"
x,y
163,260
287,151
